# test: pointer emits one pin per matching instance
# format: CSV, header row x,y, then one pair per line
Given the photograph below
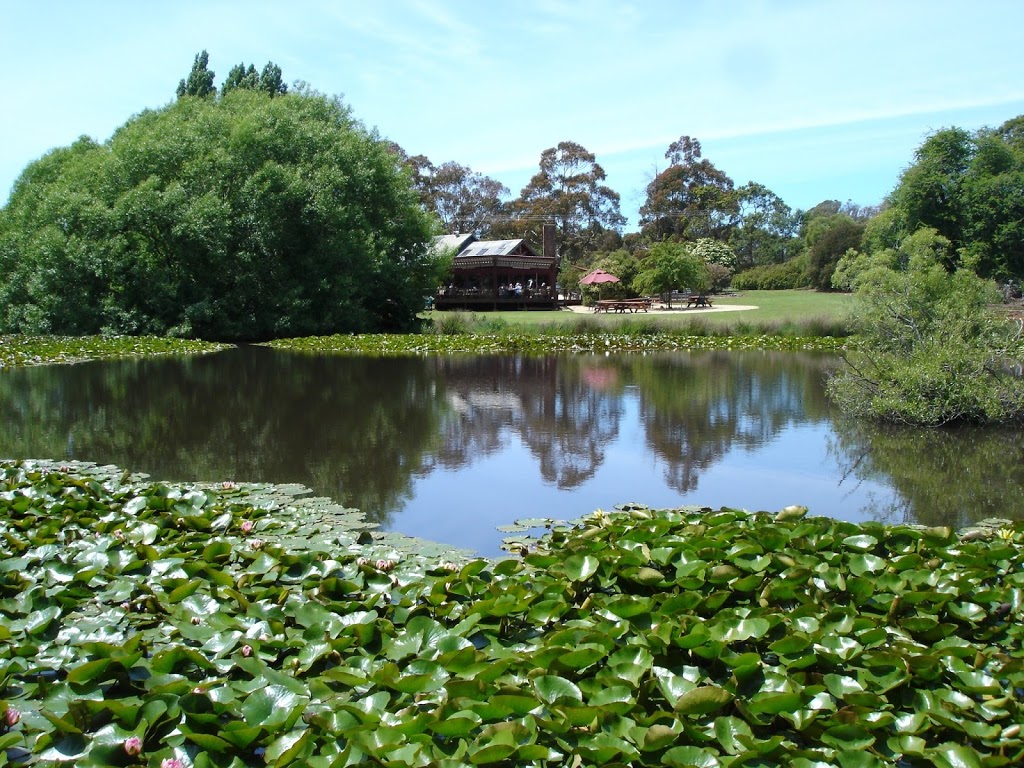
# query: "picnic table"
x,y
622,305
698,300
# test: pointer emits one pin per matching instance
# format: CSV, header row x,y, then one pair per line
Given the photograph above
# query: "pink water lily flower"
x,y
171,762
133,746
11,717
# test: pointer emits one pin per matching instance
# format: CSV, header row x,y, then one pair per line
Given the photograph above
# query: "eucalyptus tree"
x,y
766,227
691,198
242,217
462,199
569,189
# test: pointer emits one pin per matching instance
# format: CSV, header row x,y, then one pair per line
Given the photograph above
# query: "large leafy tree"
x,y
827,239
241,218
689,199
766,227
463,200
668,267
569,189
969,187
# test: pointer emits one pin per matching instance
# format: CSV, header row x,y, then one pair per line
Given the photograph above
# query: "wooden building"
x,y
499,274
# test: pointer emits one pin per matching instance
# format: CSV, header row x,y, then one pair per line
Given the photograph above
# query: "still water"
x,y
449,448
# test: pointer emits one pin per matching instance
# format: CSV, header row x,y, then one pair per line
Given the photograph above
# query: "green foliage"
x,y
827,239
774,277
668,267
268,81
220,625
690,199
930,351
199,82
242,218
569,189
970,188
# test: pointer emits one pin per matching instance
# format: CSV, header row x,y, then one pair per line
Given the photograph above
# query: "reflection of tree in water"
x,y
354,429
542,400
950,477
359,429
696,407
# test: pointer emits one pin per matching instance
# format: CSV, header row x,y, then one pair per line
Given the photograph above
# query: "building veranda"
x,y
498,274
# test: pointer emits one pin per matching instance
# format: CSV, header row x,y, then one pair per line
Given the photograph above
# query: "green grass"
x,y
793,312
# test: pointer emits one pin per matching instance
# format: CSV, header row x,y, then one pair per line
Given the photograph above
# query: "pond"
x,y
451,447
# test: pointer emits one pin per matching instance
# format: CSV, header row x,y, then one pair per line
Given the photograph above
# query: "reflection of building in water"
x,y
542,401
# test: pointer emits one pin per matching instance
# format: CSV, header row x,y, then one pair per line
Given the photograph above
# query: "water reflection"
x,y
441,446
942,477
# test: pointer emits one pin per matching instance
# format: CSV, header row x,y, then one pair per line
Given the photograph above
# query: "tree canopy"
x,y
569,189
238,217
969,187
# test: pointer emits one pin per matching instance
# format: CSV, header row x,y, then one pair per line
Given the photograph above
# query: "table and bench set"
x,y
642,305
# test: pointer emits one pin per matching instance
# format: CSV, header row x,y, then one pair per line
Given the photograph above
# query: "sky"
x,y
815,99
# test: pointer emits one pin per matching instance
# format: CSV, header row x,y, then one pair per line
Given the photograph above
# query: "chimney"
x,y
549,240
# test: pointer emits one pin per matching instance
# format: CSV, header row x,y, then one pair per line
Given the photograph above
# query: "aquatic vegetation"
x,y
18,350
140,623
545,343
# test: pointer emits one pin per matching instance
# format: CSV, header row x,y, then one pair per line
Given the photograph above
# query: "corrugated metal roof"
x,y
455,243
490,248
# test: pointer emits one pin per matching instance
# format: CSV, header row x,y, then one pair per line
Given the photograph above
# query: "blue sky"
x,y
816,100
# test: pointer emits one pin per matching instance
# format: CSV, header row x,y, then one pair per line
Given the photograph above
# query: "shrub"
x,y
774,277
931,350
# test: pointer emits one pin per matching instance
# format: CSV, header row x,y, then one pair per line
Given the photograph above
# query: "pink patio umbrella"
x,y
597,277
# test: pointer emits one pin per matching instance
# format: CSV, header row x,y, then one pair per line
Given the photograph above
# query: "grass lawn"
x,y
775,309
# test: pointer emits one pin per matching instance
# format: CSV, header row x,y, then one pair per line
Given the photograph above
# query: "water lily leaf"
x,y
287,747
848,737
582,656
859,760
970,612
90,671
271,706
458,724
742,629
773,703
659,736
627,606
861,564
553,689
791,513
208,741
690,757
702,700
581,567
142,533
67,749
861,542
604,748
615,699
728,730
